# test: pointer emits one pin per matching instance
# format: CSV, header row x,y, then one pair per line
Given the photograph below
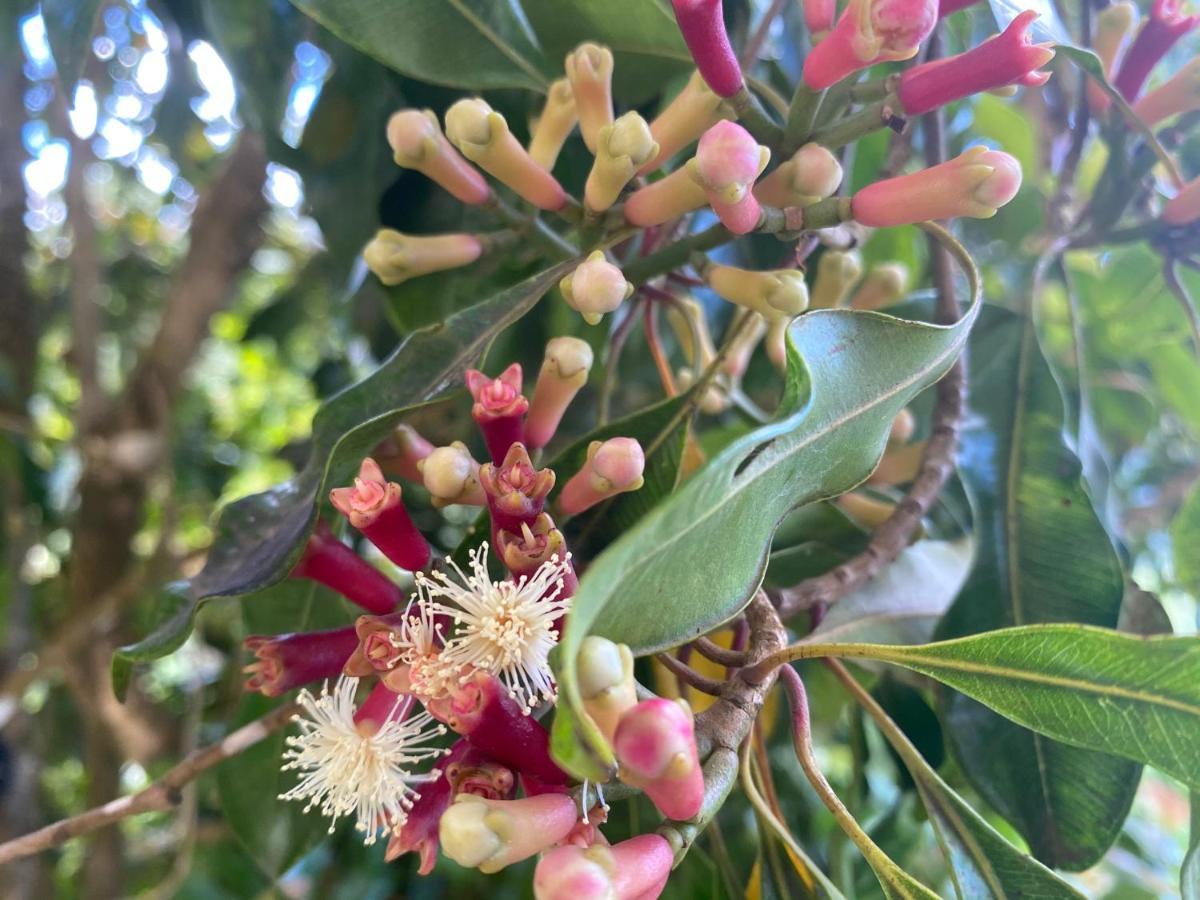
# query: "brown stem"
x,y
709,650
688,675
163,794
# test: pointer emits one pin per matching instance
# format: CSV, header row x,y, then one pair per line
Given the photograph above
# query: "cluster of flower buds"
x,y
869,32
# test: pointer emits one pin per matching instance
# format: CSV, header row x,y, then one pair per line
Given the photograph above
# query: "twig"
x,y
689,676
731,659
161,795
755,44
650,315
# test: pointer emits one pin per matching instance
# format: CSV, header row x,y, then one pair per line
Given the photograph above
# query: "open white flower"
x,y
358,768
503,627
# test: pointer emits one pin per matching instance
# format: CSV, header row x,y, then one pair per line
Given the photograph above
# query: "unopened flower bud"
x,y
554,125
702,24
866,511
777,294
490,834
564,371
947,7
692,112
655,745
884,285
713,401
1009,58
605,672
837,273
451,475
737,359
1179,95
902,429
418,143
812,174
379,651
819,16
775,342
727,162
613,467
373,506
482,135
1111,32
975,184
286,661
869,32
1166,25
499,408
634,869
595,287
396,257
899,464
1184,207
399,453
621,148
686,318
665,199
328,561
589,69
516,491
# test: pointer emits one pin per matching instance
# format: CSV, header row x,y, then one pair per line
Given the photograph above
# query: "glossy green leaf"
x,y
697,558
1136,697
259,538
1189,876
470,44
274,832
69,25
1029,494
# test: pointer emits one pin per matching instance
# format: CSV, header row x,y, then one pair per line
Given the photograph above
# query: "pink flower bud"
x,y
621,149
635,869
1010,58
286,661
778,294
1184,207
869,32
373,506
1179,95
564,371
605,672
1110,34
328,561
396,257
947,7
418,143
589,69
451,475
655,745
399,453
481,710
702,23
837,273
490,834
482,135
974,184
499,408
812,174
1166,25
595,287
818,18
612,467
665,199
554,125
694,110
727,162
885,284
516,491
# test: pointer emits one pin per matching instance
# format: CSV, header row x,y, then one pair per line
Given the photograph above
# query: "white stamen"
x,y
346,771
504,627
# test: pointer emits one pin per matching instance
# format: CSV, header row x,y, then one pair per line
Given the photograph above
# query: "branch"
x,y
161,795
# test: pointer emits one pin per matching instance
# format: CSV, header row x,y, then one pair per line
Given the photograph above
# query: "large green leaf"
x,y
982,862
274,832
1136,697
471,44
259,538
697,558
1029,497
69,25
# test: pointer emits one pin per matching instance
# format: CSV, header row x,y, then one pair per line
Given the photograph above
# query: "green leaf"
x,y
274,832
69,25
982,862
1136,697
1029,494
470,44
1185,538
259,538
698,557
1189,875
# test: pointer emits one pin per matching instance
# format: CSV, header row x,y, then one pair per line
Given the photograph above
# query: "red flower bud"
x,y
286,661
1166,25
636,869
655,745
499,408
727,162
328,561
374,507
702,23
869,32
399,453
612,467
946,7
516,491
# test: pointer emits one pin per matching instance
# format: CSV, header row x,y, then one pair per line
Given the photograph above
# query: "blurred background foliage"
x,y
118,118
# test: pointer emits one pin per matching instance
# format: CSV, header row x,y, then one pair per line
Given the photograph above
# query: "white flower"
x,y
504,627
420,643
351,768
